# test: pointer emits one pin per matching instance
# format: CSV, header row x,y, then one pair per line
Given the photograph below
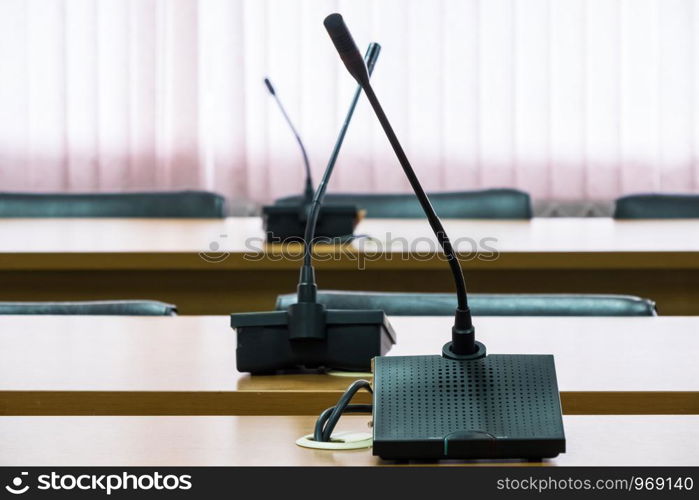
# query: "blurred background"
x,y
574,101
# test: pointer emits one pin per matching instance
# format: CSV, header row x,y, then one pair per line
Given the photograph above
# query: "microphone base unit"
x,y
287,223
265,343
500,406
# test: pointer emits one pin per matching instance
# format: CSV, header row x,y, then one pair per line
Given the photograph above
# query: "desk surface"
x,y
186,365
173,260
248,441
541,242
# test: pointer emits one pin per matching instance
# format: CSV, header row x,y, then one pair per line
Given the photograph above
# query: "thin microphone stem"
x,y
370,57
432,217
463,342
309,181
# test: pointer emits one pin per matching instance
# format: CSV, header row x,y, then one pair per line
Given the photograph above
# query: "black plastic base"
x,y
352,339
500,406
288,222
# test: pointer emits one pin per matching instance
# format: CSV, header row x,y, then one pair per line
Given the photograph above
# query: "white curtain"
x,y
567,99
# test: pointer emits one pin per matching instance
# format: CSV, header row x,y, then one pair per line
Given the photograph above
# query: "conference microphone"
x,y
308,192
287,220
309,237
463,334
307,336
462,403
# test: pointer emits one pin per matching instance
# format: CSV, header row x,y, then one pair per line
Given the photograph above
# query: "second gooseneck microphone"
x,y
307,335
308,191
463,344
307,286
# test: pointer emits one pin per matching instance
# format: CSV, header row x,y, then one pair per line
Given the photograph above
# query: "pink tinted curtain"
x,y
567,99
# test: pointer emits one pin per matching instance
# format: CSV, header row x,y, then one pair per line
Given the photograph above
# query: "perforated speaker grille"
x,y
430,397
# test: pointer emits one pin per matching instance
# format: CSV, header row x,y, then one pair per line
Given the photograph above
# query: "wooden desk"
x,y
269,441
186,365
80,259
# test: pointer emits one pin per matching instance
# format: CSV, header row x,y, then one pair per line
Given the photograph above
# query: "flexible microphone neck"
x,y
308,191
463,336
307,284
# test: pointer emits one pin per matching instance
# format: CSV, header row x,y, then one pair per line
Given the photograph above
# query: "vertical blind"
x,y
567,99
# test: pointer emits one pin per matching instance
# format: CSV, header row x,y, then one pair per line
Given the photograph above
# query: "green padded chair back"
x,y
485,204
657,206
91,308
186,204
444,304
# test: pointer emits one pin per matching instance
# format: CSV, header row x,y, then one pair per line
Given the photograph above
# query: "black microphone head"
x,y
344,43
269,86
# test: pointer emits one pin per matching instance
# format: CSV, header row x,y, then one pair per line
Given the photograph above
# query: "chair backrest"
x,y
91,308
186,204
484,204
444,304
657,206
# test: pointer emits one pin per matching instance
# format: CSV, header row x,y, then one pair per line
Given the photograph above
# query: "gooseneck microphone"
x,y
463,344
307,335
307,276
287,219
308,192
461,404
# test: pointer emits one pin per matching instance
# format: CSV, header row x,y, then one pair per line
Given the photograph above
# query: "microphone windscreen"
x,y
344,43
269,86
